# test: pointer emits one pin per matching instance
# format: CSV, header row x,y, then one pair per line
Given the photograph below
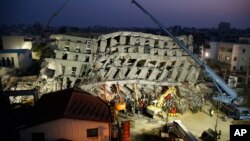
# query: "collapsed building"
x,y
20,90
143,65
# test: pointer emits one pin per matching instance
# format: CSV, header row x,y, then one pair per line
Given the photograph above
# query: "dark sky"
x,y
121,13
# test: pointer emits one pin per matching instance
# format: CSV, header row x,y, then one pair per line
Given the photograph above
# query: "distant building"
x,y
237,55
71,115
224,26
16,42
244,40
16,58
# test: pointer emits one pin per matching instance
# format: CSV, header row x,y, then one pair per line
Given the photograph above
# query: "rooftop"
x,y
72,104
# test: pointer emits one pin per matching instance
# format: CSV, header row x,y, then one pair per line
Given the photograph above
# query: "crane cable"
x,y
55,14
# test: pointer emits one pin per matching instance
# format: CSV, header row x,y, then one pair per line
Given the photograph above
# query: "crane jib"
x,y
232,95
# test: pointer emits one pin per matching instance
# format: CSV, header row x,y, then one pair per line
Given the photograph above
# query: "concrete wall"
x,y
25,60
213,51
13,57
21,61
232,53
75,130
225,52
242,60
15,42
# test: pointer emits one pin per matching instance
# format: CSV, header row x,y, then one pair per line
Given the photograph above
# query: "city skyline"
x,y
122,13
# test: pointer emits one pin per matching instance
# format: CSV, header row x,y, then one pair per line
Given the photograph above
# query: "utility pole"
x,y
247,76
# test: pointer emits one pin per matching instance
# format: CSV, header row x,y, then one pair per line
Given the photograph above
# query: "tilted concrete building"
x,y
73,58
148,61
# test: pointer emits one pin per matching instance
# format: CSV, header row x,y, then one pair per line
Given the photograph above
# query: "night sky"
x,y
121,13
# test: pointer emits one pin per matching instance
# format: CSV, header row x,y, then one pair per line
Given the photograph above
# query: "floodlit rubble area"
x,y
11,83
142,65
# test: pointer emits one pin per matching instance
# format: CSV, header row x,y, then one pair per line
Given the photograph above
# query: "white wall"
x,y
74,130
213,51
243,59
10,55
21,61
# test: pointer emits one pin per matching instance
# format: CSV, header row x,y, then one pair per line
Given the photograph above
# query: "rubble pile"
x,y
143,65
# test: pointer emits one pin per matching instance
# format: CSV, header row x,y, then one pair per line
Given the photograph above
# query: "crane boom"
x,y
220,83
55,14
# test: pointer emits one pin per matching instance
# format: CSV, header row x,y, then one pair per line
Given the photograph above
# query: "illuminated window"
x,y
222,48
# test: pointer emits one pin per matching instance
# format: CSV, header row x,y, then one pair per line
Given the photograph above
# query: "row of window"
x,y
7,62
75,57
73,73
241,68
68,42
77,49
230,49
156,42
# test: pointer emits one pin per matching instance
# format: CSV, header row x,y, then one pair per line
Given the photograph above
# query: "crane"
x,y
54,15
230,95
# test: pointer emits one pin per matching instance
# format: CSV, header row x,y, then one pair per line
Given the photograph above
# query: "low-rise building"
x,y
236,55
16,58
71,115
16,42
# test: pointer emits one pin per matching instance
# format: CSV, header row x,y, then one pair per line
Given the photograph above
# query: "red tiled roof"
x,y
73,104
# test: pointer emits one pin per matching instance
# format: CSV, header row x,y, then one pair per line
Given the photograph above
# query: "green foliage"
x,y
37,48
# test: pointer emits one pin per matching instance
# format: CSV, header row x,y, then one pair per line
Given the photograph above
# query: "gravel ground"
x,y
144,128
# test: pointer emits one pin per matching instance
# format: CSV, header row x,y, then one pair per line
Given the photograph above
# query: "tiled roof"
x,y
73,104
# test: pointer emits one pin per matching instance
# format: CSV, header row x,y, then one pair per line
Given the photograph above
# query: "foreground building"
x,y
71,115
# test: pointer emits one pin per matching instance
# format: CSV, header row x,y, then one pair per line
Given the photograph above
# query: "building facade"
x,y
236,55
16,42
71,115
73,59
16,58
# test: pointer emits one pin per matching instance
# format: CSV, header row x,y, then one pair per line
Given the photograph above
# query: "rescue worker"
x,y
211,112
